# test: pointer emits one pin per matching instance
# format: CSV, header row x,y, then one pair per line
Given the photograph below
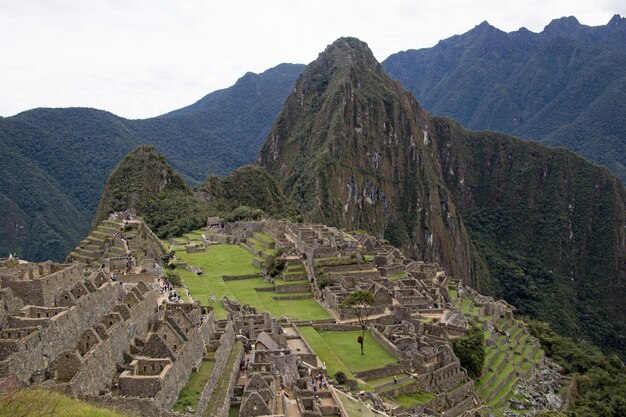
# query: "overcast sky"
x,y
142,58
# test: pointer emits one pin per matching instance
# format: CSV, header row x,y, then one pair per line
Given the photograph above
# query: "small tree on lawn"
x,y
359,302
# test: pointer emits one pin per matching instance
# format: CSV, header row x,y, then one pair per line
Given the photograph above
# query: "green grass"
x,y
219,395
218,260
399,275
264,237
340,351
354,408
409,400
384,380
40,402
190,394
307,309
221,260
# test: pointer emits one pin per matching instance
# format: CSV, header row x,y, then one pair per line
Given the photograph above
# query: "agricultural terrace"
x,y
233,260
340,351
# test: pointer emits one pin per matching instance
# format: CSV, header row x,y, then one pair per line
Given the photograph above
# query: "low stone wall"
x,y
402,389
258,263
223,411
249,249
264,289
195,249
384,342
379,372
135,278
239,277
336,327
298,276
292,288
227,340
460,408
346,314
391,270
293,297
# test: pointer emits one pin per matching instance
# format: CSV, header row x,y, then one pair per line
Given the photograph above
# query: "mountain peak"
x,y
616,20
562,26
347,52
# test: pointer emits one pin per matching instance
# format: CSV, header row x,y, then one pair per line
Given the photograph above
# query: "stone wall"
x,y
384,342
42,291
379,372
287,288
239,277
9,305
187,358
223,410
135,278
99,365
61,334
227,340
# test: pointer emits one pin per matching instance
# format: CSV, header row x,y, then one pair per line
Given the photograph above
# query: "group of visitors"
x,y
318,382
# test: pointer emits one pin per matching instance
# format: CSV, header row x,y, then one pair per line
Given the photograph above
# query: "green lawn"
x,y
39,402
354,408
264,237
218,260
190,394
340,351
307,309
409,400
221,260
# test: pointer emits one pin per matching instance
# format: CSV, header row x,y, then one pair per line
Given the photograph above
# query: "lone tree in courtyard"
x,y
359,302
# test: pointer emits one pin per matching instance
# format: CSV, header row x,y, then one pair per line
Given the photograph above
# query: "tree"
x,y
471,351
359,302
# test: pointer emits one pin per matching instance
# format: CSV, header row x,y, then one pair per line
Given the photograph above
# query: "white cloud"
x,y
142,58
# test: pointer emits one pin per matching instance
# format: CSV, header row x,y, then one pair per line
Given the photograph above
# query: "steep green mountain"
x,y
540,227
349,150
145,184
56,161
565,86
250,186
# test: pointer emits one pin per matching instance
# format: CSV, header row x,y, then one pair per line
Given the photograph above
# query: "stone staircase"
x,y
93,247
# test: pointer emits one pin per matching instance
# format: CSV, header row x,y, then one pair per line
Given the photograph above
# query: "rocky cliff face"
x,y
542,228
352,149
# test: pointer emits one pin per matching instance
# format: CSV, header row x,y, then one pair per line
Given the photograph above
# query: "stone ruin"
x,y
75,330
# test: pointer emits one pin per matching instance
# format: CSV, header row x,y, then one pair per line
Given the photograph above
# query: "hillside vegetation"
x,y
56,161
564,86
540,227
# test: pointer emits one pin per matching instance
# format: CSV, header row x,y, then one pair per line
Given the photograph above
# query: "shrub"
x,y
471,351
340,377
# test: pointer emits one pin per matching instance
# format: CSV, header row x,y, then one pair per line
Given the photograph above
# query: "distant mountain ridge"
x,y
56,161
564,86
